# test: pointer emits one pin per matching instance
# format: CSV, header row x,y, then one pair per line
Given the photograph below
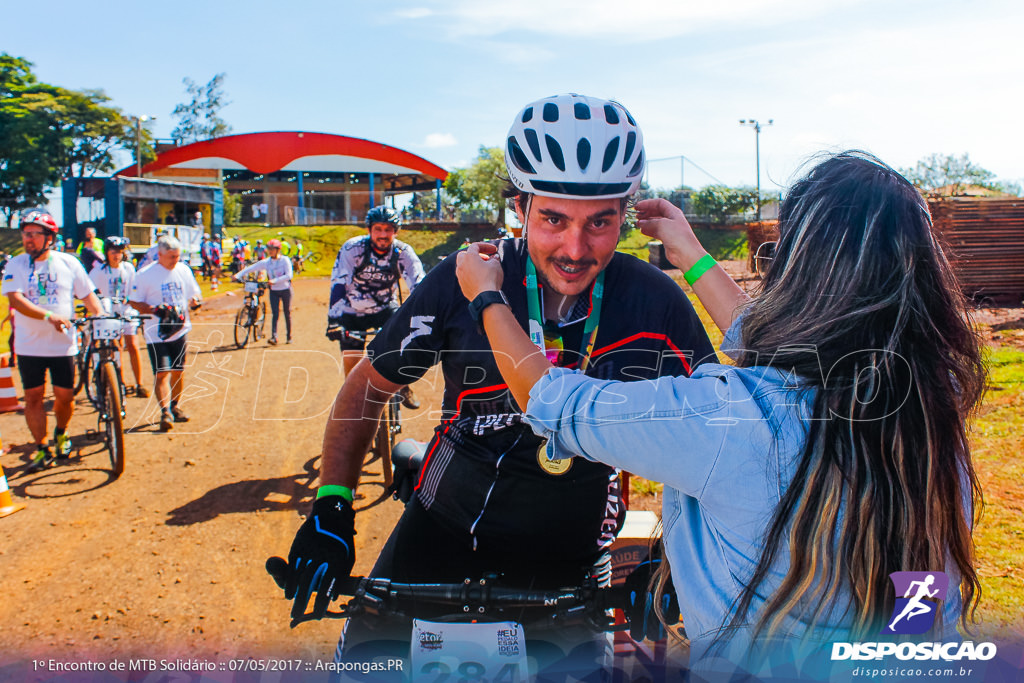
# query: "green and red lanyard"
x,y
536,330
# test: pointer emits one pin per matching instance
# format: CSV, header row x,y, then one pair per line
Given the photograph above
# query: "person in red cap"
x,y
279,271
41,286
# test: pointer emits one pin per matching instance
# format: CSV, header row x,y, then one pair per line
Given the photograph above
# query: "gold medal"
x,y
553,467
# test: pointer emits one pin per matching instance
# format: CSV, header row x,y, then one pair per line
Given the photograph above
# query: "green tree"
x,y
718,202
29,153
232,208
680,196
199,119
90,132
48,133
949,175
478,187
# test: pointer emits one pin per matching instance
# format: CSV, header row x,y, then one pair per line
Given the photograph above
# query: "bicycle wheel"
x,y
113,427
242,326
81,361
313,258
92,380
382,442
260,322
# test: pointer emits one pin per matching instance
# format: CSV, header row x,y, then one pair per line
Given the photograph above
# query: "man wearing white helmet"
x,y
487,499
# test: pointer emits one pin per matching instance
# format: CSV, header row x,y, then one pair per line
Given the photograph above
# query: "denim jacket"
x,y
725,443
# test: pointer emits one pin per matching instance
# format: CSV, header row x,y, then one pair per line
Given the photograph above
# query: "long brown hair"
x,y
885,482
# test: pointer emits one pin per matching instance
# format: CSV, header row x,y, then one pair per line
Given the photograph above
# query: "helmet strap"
x,y
526,212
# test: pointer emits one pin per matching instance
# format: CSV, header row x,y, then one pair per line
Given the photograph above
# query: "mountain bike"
x,y
105,388
299,262
389,426
484,629
252,316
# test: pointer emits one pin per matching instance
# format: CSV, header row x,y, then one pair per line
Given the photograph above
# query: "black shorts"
x,y
361,323
168,356
33,371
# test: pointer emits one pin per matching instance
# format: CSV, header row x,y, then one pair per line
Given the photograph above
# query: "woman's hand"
x,y
665,221
478,269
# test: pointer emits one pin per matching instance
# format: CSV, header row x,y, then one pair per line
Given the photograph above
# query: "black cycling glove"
x,y
322,555
335,332
643,621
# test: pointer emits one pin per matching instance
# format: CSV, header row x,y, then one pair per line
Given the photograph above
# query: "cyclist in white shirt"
x,y
279,270
167,290
41,286
113,280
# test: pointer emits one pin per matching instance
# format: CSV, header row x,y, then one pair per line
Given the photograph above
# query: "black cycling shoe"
x,y
409,399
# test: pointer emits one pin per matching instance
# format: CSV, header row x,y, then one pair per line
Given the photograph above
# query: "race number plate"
x,y
252,287
107,328
492,652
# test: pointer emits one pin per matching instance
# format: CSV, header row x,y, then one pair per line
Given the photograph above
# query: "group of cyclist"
x,y
42,284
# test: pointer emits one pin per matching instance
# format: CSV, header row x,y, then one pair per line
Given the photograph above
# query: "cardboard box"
x,y
633,543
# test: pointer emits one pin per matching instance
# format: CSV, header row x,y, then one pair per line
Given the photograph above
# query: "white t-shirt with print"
x,y
279,271
114,283
53,283
155,285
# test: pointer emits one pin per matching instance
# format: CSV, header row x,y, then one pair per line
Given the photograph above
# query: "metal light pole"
x,y
138,141
756,125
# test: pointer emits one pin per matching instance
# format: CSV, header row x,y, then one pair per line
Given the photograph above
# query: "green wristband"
x,y
335,490
703,265
46,316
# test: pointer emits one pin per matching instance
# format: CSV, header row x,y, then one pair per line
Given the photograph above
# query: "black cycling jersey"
x,y
482,475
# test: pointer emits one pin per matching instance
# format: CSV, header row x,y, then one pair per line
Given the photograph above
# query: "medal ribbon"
x,y
537,323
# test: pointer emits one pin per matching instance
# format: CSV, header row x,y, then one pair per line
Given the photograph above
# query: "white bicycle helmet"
x,y
575,146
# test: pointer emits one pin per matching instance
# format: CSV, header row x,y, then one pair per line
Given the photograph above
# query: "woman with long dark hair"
x,y
833,453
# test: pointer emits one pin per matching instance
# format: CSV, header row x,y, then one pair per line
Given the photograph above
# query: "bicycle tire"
x,y
382,442
313,258
259,324
92,381
242,326
81,361
113,428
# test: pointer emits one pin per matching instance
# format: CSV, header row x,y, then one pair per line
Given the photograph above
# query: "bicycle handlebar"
x,y
485,598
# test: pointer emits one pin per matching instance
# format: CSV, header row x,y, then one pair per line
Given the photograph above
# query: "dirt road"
x,y
167,560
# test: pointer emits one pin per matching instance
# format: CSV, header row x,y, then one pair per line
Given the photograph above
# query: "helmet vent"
x,y
582,111
533,142
518,157
610,115
556,152
630,144
527,114
637,167
583,153
550,112
609,154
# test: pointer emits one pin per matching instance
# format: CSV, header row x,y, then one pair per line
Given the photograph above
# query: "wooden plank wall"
x,y
984,241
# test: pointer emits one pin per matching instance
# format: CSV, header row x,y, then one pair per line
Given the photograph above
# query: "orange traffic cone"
x,y
7,505
8,395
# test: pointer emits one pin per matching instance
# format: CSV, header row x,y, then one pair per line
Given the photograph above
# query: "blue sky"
x,y
900,78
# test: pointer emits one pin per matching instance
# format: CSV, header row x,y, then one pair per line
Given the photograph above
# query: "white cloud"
x,y
413,13
434,140
641,20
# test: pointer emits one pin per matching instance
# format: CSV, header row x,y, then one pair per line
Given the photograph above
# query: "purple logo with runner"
x,y
917,600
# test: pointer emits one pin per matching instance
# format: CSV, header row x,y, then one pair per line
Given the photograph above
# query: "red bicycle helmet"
x,y
42,219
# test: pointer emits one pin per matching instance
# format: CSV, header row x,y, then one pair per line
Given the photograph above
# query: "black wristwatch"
x,y
482,301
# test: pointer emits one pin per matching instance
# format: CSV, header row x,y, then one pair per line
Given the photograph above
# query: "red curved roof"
x,y
270,152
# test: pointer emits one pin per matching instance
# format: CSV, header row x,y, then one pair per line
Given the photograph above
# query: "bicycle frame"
x,y
247,320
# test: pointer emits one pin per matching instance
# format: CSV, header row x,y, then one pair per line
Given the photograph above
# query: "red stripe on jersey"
x,y
647,335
